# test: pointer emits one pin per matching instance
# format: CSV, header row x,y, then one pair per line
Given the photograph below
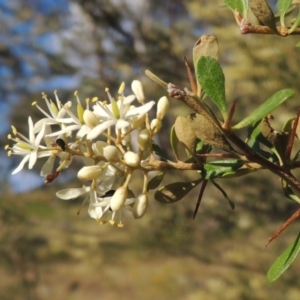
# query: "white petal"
x,y
32,159
21,165
129,99
48,166
65,130
140,110
31,134
39,124
84,130
39,136
121,124
70,194
99,129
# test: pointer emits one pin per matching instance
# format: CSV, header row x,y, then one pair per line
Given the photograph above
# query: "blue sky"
x,y
23,38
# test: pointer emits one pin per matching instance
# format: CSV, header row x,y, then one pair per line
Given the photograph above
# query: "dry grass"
x,y
48,252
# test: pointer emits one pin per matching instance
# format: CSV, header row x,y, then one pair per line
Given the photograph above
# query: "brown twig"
x,y
246,27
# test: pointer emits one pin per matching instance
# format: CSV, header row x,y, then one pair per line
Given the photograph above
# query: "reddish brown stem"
x,y
292,138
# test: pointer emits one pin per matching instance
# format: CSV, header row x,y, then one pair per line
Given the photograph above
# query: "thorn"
x,y
190,76
286,224
227,124
203,186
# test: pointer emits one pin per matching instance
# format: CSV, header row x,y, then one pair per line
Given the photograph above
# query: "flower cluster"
x,y
112,138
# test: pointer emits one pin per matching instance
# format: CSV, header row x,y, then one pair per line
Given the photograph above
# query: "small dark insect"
x,y
109,193
50,177
61,143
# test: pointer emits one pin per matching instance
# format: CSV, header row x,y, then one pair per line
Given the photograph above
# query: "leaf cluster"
x,y
211,140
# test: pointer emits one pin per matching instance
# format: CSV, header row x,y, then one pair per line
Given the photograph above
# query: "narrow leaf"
x,y
266,108
224,194
158,151
288,192
284,260
175,191
174,142
283,6
211,78
219,168
203,186
155,181
295,24
240,5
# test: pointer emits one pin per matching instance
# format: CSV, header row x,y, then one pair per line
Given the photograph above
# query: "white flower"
x,y
30,147
105,181
117,113
56,112
77,125
102,212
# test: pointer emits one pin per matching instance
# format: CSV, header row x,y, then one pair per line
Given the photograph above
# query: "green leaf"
x,y
283,6
284,260
175,191
155,181
157,150
296,23
174,141
266,108
211,78
206,45
217,169
288,192
240,5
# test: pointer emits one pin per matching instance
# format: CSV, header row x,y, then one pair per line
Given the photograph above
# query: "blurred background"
x,y
47,251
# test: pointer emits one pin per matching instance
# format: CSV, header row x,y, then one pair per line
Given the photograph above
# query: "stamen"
x,y
14,130
121,88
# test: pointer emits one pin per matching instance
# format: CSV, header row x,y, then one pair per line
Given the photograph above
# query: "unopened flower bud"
x,y
90,119
119,198
143,139
162,107
156,125
137,121
131,159
98,147
112,153
126,140
89,173
140,206
138,90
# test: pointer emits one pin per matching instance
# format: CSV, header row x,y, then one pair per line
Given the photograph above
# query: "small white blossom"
x,y
30,147
117,113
